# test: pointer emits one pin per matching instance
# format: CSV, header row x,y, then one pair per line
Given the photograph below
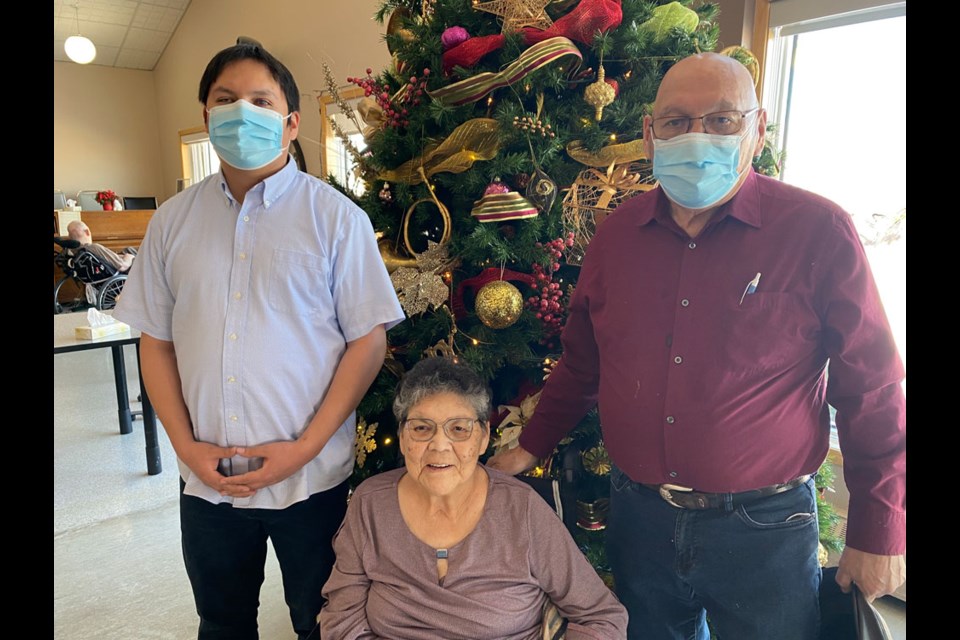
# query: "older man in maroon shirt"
x,y
704,320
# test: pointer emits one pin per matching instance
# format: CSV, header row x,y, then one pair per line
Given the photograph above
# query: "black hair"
x,y
245,51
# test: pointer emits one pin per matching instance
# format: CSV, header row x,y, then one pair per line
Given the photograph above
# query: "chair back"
x,y
87,199
139,202
848,616
554,625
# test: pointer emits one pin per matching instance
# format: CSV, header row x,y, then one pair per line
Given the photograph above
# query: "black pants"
x,y
224,550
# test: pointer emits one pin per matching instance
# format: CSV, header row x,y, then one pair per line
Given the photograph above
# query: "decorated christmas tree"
x,y
502,134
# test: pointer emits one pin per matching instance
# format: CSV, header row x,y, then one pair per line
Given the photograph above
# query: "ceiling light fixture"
x,y
78,48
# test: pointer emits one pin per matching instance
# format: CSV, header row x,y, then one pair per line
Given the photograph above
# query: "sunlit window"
x,y
199,158
837,88
341,163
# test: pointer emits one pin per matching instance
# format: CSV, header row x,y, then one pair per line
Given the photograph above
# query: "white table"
x,y
65,341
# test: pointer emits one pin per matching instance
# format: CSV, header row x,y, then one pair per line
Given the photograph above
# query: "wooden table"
x,y
65,341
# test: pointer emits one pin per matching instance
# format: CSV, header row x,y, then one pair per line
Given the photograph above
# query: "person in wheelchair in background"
x,y
98,271
79,231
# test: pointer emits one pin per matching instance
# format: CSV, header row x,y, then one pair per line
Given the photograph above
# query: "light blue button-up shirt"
x,y
260,300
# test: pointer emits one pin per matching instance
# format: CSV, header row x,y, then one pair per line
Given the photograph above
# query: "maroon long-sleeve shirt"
x,y
698,388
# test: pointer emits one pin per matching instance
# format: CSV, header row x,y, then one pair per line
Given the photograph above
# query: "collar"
x,y
270,188
744,205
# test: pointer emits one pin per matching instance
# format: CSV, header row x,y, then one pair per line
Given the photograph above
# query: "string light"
x,y
613,136
489,100
387,440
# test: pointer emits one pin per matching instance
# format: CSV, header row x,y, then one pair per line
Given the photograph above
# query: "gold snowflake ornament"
x,y
517,14
365,443
418,289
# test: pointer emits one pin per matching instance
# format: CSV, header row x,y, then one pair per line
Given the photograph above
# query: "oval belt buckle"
x,y
665,490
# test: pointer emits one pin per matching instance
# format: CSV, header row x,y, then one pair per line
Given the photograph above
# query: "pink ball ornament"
x,y
453,36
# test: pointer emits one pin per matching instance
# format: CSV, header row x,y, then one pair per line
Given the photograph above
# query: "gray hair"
x,y
431,376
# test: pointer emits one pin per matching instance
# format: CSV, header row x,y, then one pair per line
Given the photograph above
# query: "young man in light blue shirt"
x,y
263,305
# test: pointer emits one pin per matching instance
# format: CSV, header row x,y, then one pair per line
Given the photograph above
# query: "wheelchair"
x,y
85,268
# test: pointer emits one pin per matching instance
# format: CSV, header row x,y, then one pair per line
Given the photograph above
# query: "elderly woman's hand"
x,y
513,461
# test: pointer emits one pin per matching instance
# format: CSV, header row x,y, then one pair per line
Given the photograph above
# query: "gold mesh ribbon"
x,y
613,153
476,139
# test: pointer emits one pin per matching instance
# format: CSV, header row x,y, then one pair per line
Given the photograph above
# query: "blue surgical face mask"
x,y
246,136
696,170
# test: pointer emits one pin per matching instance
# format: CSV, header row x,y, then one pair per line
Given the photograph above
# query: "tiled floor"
x,y
118,572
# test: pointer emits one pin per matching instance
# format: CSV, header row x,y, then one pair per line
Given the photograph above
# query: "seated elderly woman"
x,y
447,548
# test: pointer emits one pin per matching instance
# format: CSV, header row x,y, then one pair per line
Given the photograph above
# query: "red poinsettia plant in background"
x,y
104,197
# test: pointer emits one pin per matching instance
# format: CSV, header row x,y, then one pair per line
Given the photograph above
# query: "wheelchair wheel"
x,y
110,291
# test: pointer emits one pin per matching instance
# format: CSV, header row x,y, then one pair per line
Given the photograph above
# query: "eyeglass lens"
x,y
423,429
722,123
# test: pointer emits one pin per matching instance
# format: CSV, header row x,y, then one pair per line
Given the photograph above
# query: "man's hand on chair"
x,y
513,461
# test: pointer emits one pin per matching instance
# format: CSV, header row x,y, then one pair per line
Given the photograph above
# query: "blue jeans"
x,y
224,550
752,569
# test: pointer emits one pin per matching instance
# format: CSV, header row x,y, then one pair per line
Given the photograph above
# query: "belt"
x,y
686,498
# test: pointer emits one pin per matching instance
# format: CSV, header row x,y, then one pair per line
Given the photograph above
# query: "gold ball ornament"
x,y
599,94
499,304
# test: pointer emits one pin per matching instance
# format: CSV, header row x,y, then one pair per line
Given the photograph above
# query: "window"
x,y
198,158
336,158
836,85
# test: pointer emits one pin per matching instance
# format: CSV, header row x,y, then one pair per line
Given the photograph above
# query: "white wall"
x,y
105,130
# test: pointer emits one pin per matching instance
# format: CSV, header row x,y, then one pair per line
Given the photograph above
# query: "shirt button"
x,y
678,359
233,336
247,219
237,296
692,245
684,303
671,419
243,256
233,418
266,203
673,474
231,379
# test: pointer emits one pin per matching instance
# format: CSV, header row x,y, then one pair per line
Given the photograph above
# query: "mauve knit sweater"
x,y
384,583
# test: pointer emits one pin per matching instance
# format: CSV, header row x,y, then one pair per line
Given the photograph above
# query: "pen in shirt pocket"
x,y
751,287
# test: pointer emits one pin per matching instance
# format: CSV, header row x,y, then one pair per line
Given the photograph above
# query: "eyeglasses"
x,y
423,429
723,123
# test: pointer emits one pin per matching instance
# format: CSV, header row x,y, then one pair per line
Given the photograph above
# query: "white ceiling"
x,y
127,33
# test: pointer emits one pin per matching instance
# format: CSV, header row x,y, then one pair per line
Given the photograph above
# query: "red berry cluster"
x,y
409,95
547,304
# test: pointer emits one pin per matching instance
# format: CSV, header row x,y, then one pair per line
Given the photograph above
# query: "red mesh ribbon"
x,y
579,25
486,276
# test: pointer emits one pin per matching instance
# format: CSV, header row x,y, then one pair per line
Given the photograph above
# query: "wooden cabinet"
x,y
115,230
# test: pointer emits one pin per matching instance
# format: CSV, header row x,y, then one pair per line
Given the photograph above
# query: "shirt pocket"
x,y
298,283
767,331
